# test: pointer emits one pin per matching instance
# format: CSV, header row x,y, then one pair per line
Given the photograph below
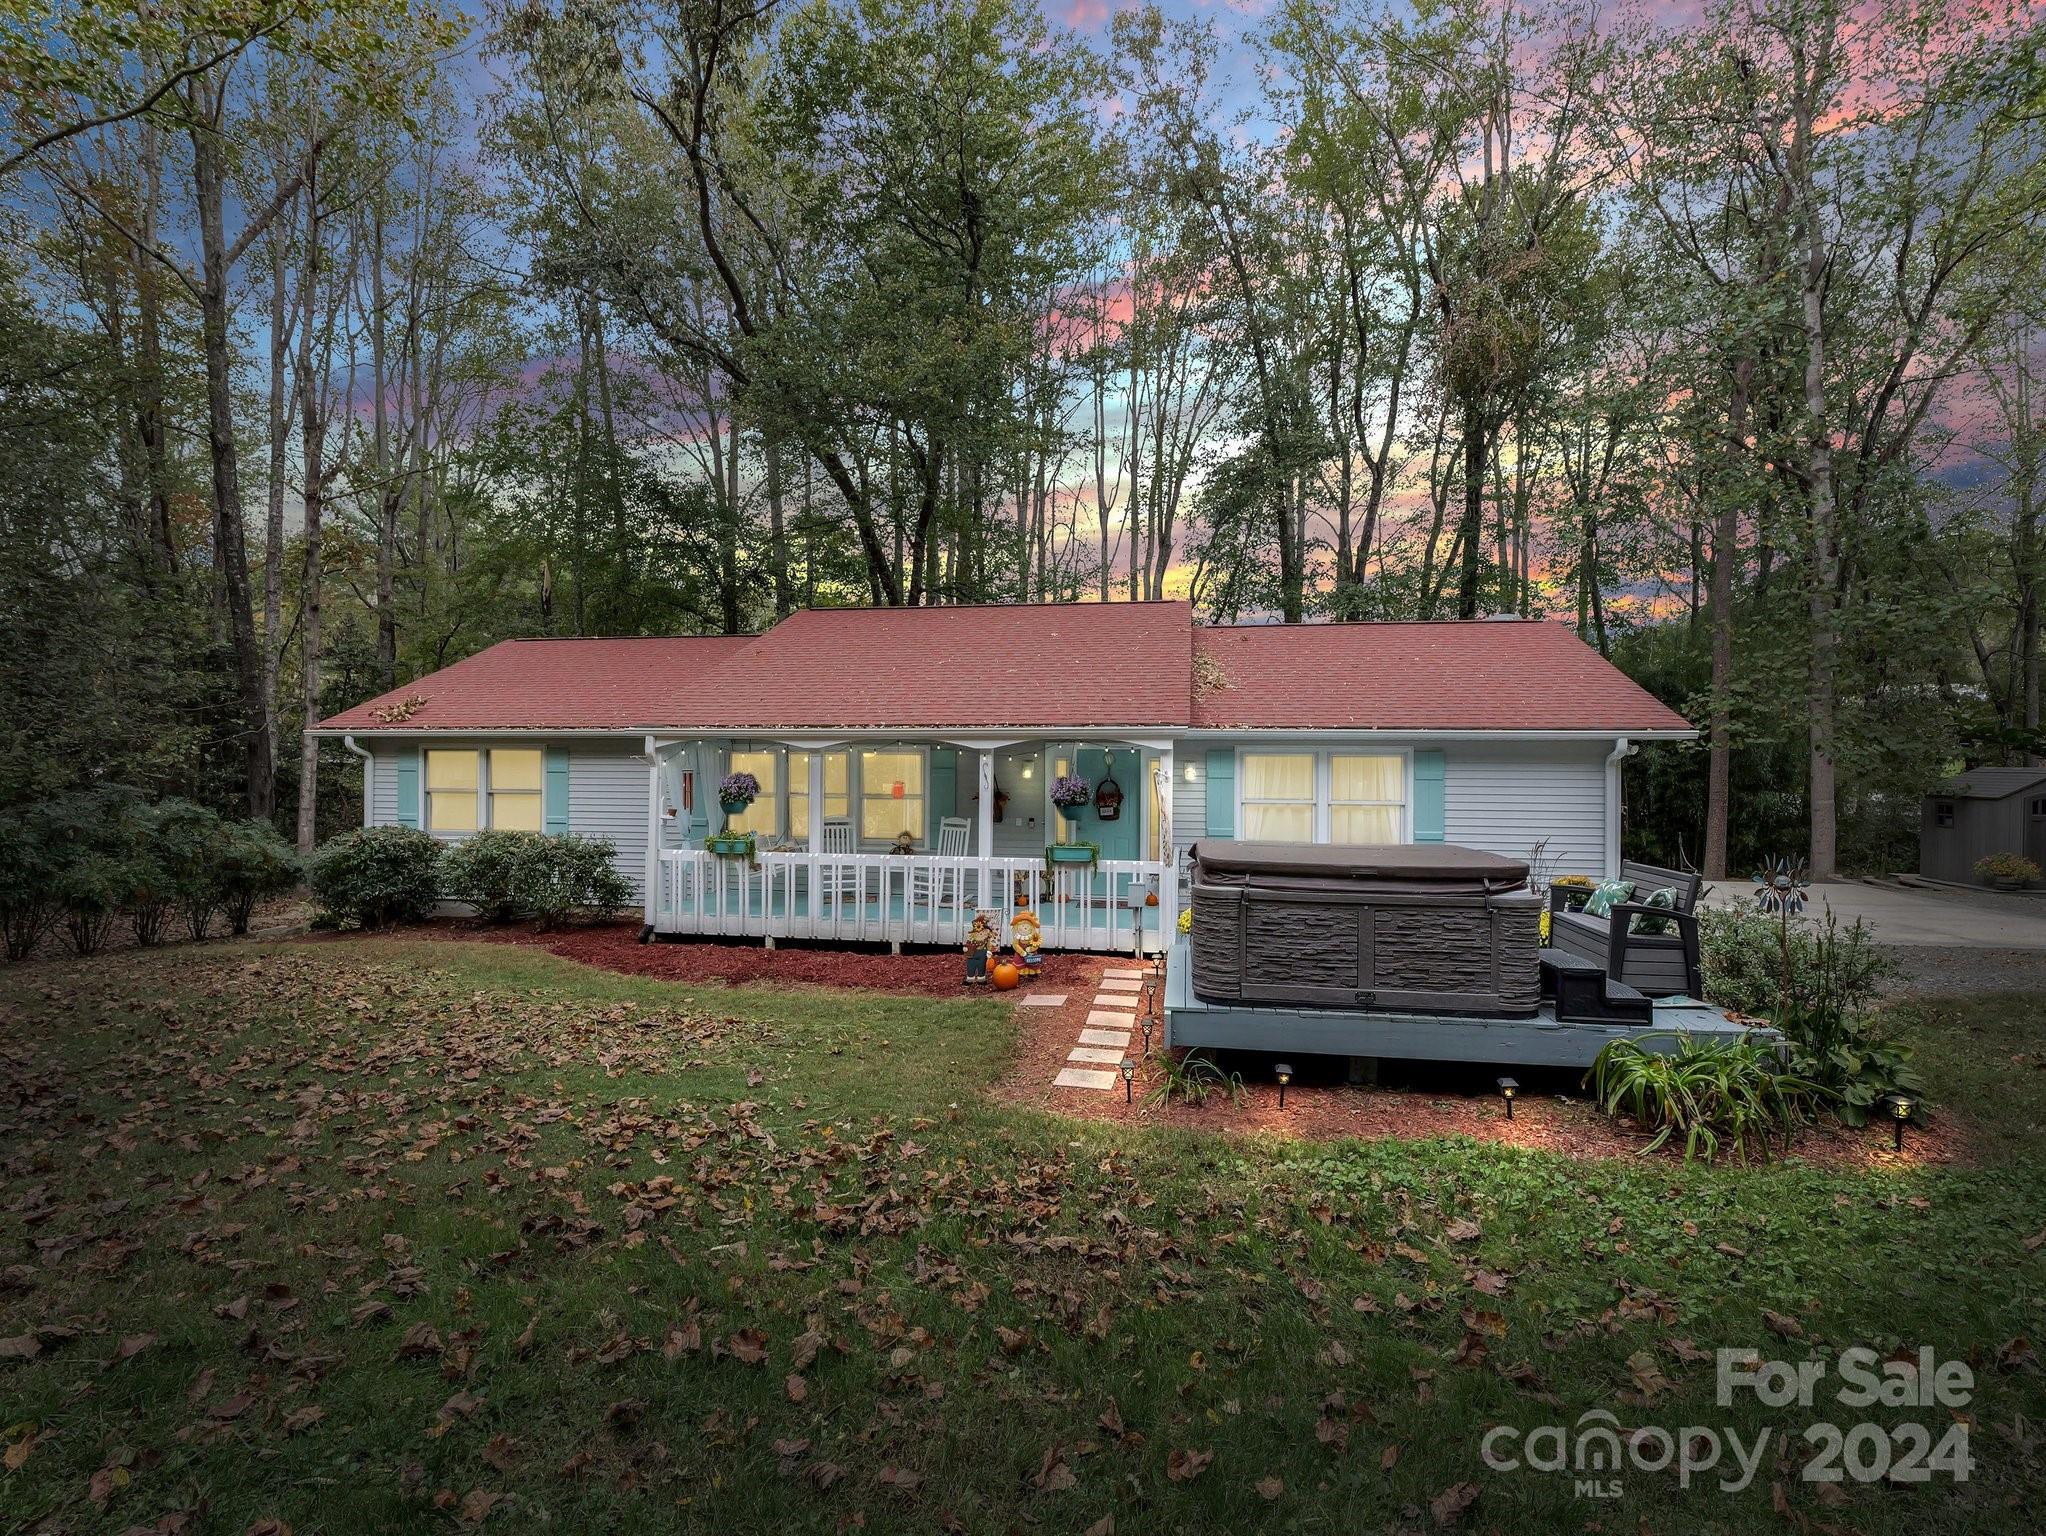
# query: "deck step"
x,y
1584,994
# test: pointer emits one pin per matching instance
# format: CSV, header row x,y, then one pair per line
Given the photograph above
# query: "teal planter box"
x,y
1071,853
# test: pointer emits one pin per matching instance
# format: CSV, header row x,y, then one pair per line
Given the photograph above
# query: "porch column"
x,y
652,881
1168,854
984,832
816,803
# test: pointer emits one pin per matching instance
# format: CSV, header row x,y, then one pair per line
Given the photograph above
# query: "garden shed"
x,y
1980,812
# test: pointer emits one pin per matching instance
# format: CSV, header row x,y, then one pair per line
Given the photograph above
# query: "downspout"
x,y
1622,750
651,871
369,770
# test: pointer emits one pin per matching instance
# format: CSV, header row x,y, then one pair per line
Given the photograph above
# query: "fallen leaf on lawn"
x,y
1788,1327
1688,1352
19,1451
822,1474
1647,1374
1111,1420
1465,1231
1269,1488
1334,1354
1185,1466
421,1342
23,1346
900,1478
522,1346
2013,1353
805,1348
303,1419
1492,1324
1012,1339
748,1346
1053,1475
477,1504
270,1527
132,1346
796,1388
2036,1241
501,1453
686,1340
462,1405
105,1483
1105,1526
1389,1458
1449,1505
1490,1282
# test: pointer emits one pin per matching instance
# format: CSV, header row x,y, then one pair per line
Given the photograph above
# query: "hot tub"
x,y
1421,927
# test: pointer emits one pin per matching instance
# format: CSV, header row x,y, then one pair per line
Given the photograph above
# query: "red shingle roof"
x,y
558,685
1047,666
1478,675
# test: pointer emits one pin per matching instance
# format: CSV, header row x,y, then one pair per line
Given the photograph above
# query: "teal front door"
x,y
1117,839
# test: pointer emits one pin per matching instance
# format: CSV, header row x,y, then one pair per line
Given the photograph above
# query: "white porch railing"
x,y
919,898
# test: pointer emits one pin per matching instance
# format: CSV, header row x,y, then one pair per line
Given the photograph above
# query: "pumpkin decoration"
x,y
1005,975
1150,898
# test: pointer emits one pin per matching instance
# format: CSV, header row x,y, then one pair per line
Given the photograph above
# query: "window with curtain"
x,y
891,795
837,790
1278,797
515,778
763,817
1366,798
451,790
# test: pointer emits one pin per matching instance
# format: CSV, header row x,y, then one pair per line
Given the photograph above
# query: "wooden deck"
x,y
1537,1041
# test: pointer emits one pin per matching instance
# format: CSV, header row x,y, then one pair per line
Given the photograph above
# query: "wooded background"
x,y
338,341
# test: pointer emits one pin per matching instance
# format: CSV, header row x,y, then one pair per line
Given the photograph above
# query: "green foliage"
x,y
253,863
1730,1095
1754,964
1190,1078
511,875
190,841
376,876
28,898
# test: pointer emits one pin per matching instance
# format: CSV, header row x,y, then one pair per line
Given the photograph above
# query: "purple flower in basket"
x,y
1069,789
738,789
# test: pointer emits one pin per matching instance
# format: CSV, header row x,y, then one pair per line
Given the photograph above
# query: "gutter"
x,y
369,770
1623,749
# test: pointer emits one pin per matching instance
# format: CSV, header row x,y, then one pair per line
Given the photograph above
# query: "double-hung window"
x,y
837,791
1323,797
468,791
763,817
891,794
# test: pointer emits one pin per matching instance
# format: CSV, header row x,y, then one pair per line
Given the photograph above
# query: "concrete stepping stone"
x,y
1043,1000
1095,1053
1124,975
1084,1077
1122,1004
1123,1021
1119,1038
1121,984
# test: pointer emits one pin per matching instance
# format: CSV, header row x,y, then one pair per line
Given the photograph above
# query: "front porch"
x,y
896,899
901,841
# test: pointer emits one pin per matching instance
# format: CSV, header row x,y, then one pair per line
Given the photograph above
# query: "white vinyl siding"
x,y
1507,798
383,787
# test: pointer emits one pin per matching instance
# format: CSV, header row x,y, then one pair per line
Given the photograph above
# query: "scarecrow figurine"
x,y
980,942
1028,934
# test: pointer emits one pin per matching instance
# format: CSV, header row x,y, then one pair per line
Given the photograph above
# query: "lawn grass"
x,y
406,1235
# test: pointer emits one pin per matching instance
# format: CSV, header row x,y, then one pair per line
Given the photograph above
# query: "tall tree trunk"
x,y
313,445
230,540
1471,534
387,504
279,425
1726,530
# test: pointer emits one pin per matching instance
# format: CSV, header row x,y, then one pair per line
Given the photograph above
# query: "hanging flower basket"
x,y
1071,794
736,791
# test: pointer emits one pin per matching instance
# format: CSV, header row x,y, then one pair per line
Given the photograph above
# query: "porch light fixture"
x,y
1145,1025
1283,1071
1189,772
1129,1078
1030,770
1900,1106
1507,1089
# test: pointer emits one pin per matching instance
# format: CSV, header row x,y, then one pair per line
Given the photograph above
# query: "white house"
x,y
906,757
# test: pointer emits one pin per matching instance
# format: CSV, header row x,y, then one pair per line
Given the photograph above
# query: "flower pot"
x,y
1070,812
733,807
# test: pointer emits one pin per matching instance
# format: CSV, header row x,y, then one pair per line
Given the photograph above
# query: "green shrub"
x,y
1721,1094
576,878
493,872
152,899
96,842
511,875
29,908
190,841
254,862
377,876
1746,957
2013,867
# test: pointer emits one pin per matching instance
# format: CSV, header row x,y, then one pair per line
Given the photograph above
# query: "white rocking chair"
x,y
835,836
933,886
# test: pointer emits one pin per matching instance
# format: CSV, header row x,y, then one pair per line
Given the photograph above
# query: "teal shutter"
x,y
942,797
554,794
408,787
1221,792
1428,797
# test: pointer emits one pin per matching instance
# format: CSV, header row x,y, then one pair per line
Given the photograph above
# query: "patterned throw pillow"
x,y
1608,895
1663,896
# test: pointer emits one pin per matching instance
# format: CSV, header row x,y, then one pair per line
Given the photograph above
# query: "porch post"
x,y
1168,855
651,880
984,833
816,804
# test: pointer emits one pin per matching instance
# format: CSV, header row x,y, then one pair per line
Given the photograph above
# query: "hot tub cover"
x,y
1439,868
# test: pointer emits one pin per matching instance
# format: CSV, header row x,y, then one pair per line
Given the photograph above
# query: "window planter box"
x,y
1072,853
736,845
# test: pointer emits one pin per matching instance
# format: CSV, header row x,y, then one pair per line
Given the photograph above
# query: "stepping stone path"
x,y
1106,1040
1043,1000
